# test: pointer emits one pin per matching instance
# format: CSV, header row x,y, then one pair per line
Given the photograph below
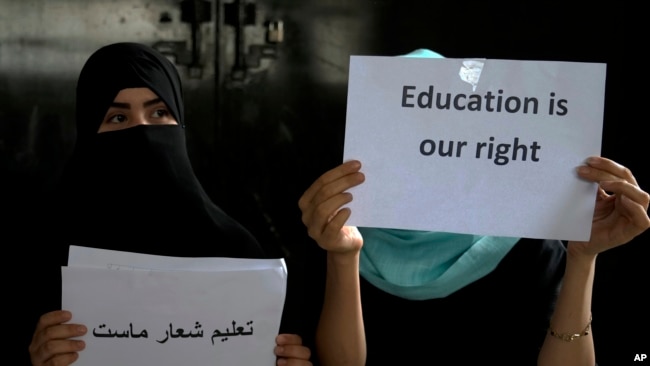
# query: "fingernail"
x,y
282,362
584,170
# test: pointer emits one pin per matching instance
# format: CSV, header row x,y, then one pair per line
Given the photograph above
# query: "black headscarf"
x,y
135,189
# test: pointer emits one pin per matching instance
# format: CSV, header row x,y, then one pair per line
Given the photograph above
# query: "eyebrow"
x,y
128,105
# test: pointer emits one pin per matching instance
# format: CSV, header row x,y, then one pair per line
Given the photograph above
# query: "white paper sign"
x,y
486,147
151,310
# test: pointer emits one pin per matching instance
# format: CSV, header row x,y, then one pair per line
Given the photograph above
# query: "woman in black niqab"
x,y
131,189
134,189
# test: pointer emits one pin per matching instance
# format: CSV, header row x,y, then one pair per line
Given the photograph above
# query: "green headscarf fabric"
x,y
421,265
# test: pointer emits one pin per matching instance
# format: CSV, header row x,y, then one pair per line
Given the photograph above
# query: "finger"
x,y
326,210
293,351
600,169
293,362
330,237
328,216
52,318
319,205
288,338
601,194
55,352
325,207
332,230
330,176
50,327
637,214
331,197
595,175
58,360
631,191
60,331
57,340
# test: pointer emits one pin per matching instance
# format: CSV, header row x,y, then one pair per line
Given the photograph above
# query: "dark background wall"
x,y
266,116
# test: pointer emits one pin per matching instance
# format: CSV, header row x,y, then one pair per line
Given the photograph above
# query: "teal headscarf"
x,y
420,265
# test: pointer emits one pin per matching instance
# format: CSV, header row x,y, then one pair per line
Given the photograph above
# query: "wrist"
x,y
343,259
576,252
579,263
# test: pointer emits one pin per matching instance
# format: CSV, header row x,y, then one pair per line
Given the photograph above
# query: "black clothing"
x,y
135,189
132,189
137,192
501,319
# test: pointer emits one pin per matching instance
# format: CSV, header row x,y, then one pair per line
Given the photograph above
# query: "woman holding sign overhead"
x,y
415,297
410,297
130,186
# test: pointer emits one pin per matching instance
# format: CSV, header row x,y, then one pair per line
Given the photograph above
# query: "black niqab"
x,y
135,189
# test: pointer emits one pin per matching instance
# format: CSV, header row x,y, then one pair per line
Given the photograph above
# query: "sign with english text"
x,y
477,146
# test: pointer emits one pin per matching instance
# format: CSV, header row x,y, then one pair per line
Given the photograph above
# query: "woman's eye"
x,y
160,113
118,118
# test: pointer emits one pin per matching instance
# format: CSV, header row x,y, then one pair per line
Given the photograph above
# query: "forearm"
x,y
340,337
571,315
